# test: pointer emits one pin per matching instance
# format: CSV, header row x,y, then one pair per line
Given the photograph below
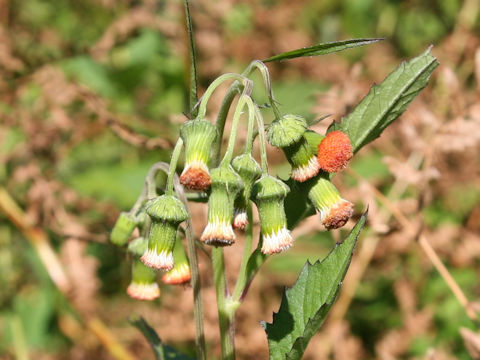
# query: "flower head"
x,y
143,285
288,133
249,170
122,229
226,184
269,193
180,274
166,212
334,151
334,211
198,136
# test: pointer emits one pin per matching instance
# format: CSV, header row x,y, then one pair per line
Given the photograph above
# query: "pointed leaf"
x,y
161,351
387,101
322,49
305,305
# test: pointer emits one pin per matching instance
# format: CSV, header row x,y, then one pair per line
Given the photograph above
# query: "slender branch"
x,y
173,165
225,315
193,61
261,135
233,132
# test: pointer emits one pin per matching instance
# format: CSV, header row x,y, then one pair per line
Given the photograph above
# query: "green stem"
x,y
233,132
225,315
261,135
193,61
173,165
247,250
250,129
202,110
260,66
221,119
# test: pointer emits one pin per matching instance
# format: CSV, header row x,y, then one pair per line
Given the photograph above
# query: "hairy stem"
x,y
193,61
173,165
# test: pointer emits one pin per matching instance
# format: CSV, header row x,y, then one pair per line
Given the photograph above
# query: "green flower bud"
x,y
166,212
138,246
313,139
288,134
180,274
334,211
143,285
269,194
198,136
249,171
226,185
123,228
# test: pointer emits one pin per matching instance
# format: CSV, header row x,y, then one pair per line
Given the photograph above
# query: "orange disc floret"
x,y
334,152
195,178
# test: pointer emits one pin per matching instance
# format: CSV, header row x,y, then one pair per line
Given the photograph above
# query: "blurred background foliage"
x,y
92,93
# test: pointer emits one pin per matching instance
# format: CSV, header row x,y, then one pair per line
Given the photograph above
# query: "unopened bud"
x,y
334,152
144,282
123,228
226,185
249,170
334,211
198,136
166,212
269,194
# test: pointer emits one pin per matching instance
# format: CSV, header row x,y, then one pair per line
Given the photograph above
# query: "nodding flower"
x,y
269,193
288,134
249,170
226,185
198,136
123,228
143,285
334,211
166,212
334,152
180,274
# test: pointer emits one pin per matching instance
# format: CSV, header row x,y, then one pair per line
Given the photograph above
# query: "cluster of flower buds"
x,y
231,187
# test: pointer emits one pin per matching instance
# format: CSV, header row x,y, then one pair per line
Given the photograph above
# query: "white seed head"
x,y
240,219
219,233
159,261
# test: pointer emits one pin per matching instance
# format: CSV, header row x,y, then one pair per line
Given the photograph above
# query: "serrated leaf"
x,y
305,305
323,48
161,351
387,101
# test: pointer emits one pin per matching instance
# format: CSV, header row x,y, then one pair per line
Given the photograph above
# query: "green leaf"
x,y
322,49
387,101
305,305
161,351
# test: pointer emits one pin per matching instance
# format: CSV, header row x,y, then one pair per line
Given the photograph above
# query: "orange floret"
x,y
334,152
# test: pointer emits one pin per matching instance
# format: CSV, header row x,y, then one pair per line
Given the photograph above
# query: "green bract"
x,y
249,170
198,136
166,212
286,131
226,184
269,193
334,211
122,229
144,282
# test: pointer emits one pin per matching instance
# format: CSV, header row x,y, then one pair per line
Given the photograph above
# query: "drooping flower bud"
x,y
249,170
226,184
180,274
123,228
198,136
143,285
334,211
334,152
269,193
166,212
287,133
